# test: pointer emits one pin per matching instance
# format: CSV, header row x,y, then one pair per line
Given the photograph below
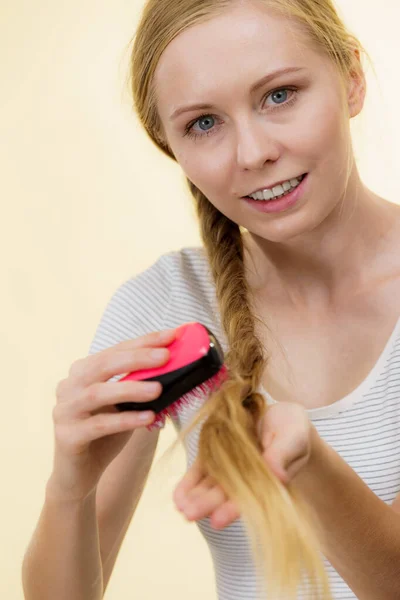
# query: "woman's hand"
x,y
286,435
89,430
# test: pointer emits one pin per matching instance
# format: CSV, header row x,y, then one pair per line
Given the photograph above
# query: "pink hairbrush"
x,y
196,365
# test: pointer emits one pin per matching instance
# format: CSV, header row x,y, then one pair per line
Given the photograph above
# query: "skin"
x,y
314,255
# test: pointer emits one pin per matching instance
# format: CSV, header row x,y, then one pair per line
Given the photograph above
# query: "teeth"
x,y
278,190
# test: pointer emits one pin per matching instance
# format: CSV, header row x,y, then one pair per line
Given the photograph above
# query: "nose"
x,y
255,146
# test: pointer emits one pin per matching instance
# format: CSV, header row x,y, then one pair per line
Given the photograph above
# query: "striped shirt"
x,y
363,427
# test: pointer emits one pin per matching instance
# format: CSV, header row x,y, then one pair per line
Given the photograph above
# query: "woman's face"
x,y
246,137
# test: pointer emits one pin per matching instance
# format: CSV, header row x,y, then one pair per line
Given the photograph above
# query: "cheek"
x,y
320,135
207,170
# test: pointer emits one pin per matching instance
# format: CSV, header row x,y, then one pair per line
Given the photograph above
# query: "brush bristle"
x,y
200,391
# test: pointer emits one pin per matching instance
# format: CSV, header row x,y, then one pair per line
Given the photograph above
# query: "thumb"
x,y
274,453
285,453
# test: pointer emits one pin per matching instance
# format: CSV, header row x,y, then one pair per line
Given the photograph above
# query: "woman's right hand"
x,y
89,430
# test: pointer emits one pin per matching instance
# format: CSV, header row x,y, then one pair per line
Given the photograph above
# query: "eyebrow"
x,y
256,86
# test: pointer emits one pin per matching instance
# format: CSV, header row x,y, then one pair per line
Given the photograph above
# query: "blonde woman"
x,y
294,462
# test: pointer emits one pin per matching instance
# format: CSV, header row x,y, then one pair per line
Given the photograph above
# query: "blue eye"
x,y
280,93
206,120
209,122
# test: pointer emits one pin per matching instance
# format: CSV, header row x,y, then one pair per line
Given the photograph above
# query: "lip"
x,y
269,187
281,204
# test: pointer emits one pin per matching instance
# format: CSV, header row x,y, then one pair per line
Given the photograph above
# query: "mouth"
x,y
281,202
277,190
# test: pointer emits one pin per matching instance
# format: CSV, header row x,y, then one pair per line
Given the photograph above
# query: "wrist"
x,y
56,493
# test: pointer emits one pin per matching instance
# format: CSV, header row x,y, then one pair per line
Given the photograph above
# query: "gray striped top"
x,y
363,427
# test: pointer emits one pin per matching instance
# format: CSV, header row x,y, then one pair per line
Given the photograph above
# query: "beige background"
x,y
86,202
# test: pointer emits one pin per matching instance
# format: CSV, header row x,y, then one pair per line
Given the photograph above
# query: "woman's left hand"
x,y
286,437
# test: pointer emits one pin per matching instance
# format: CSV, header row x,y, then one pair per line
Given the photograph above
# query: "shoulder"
x,y
175,269
143,303
189,259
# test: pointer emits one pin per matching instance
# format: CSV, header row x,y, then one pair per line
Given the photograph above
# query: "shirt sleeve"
x,y
139,306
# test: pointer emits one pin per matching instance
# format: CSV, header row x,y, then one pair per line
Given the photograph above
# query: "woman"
x,y
301,291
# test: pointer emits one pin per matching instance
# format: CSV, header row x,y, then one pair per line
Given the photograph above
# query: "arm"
x,y
118,493
63,557
73,550
362,533
396,504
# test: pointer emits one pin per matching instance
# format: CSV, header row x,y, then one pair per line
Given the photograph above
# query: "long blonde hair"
x,y
285,536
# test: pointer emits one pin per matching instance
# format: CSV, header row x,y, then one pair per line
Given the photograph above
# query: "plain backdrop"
x,y
87,202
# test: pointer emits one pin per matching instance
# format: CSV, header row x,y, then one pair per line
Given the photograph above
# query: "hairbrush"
x,y
195,366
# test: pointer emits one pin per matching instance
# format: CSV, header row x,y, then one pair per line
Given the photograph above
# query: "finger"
x,y
224,515
207,483
192,478
267,439
202,505
155,338
120,359
285,449
188,497
102,397
295,467
101,367
88,430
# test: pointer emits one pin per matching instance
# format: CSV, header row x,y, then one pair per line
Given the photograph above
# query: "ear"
x,y
357,87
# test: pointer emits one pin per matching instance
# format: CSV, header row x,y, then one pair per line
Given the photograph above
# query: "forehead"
x,y
245,41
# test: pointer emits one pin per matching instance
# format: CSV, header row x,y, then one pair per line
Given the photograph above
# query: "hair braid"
x,y
229,446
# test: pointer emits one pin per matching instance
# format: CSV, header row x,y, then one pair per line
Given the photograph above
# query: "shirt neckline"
x,y
350,399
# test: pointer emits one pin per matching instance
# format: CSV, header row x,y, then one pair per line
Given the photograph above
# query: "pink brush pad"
x,y
191,343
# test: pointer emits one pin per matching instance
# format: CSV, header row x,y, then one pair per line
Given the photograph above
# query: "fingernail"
x,y
151,386
191,512
146,416
159,353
